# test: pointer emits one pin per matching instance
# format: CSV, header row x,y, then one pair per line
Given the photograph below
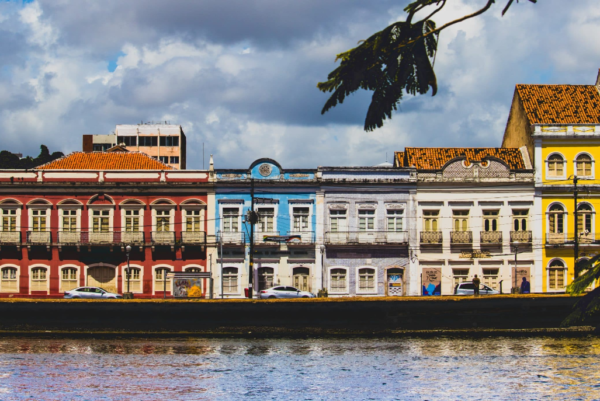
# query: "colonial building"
x,y
365,230
67,224
473,211
560,126
285,203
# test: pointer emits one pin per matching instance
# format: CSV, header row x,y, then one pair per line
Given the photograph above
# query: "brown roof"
x,y
105,161
560,104
436,158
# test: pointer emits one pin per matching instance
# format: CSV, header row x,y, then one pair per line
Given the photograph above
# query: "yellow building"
x,y
560,126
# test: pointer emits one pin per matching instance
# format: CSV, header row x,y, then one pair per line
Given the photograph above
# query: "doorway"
x,y
301,275
102,276
395,282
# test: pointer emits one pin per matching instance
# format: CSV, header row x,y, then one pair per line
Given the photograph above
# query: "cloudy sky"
x,y
240,75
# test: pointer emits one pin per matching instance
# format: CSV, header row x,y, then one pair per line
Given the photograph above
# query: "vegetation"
x,y
397,59
590,303
9,160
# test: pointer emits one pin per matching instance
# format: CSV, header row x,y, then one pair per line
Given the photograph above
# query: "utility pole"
x,y
515,290
221,249
252,218
576,222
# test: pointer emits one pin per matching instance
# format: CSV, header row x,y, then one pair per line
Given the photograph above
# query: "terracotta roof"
x,y
105,161
436,158
560,104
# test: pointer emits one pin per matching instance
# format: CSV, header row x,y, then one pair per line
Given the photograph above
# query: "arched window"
x,y
230,280
584,165
9,281
556,275
338,280
265,278
161,281
556,166
39,279
556,219
135,282
68,279
301,275
584,219
366,280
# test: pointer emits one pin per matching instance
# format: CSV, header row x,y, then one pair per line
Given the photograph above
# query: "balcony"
x,y
587,238
100,238
521,236
39,238
259,238
10,238
231,238
193,238
132,237
461,237
491,237
306,237
431,237
163,238
68,238
366,237
555,238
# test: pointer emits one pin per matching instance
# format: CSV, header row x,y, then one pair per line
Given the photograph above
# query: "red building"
x,y
67,224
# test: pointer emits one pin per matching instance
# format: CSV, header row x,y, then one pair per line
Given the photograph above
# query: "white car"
x,y
284,292
467,288
91,293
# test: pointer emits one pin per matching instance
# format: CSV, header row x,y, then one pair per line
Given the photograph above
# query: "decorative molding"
x,y
337,206
265,169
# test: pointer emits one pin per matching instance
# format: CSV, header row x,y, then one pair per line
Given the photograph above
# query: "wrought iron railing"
x,y
163,237
366,237
193,237
461,237
231,238
431,237
490,237
10,237
39,237
521,236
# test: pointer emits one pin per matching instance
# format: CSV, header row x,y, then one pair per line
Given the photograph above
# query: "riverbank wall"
x,y
314,317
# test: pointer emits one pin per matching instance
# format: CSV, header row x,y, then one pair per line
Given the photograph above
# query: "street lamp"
x,y
127,251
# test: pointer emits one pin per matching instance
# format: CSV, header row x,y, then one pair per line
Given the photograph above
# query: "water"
x,y
323,369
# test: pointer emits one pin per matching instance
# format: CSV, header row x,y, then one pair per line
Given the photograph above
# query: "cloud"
x,y
240,76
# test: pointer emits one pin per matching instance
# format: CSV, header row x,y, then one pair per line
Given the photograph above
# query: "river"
x,y
318,369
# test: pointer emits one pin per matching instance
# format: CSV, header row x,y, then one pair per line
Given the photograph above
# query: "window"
x,y
520,220
159,279
163,159
230,219
101,147
132,220
169,141
174,159
301,215
338,220
490,220
38,220
265,219
555,166
394,220
556,275
68,279
338,280
9,280
265,278
490,278
430,220
366,280
230,280
556,219
584,166
584,218
366,220
461,220
69,220
127,140
163,220
193,220
460,275
38,279
100,221
135,282
9,219
148,141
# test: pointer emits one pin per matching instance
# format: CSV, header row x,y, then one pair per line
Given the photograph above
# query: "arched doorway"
x,y
265,278
301,275
102,276
395,282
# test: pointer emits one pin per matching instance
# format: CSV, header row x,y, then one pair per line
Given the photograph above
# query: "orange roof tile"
x,y
560,104
436,158
105,161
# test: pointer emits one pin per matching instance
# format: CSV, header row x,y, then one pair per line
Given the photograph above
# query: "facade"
x,y
67,224
286,203
560,125
164,142
473,210
366,229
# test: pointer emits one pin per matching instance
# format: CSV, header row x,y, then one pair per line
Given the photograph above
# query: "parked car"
x,y
284,292
91,293
467,288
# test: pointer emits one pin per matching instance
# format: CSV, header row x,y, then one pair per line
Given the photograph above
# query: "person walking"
x,y
525,286
476,283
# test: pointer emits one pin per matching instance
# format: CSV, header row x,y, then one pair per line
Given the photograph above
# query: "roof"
x,y
105,161
117,148
560,104
436,158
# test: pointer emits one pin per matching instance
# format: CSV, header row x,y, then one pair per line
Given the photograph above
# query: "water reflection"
x,y
413,369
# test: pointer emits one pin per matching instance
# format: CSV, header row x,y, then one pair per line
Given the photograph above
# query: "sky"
x,y
240,75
